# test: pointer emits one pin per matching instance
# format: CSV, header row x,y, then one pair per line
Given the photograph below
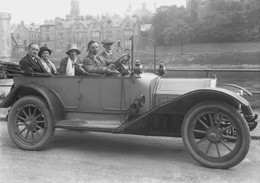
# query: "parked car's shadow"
x,y
164,148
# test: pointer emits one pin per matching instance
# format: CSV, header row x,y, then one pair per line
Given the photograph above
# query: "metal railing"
x,y
209,71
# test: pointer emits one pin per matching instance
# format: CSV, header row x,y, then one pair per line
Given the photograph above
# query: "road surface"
x,y
85,157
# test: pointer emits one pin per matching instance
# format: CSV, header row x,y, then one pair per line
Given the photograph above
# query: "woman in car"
x,y
44,54
70,64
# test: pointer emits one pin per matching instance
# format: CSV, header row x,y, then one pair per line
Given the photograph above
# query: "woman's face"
x,y
73,54
45,55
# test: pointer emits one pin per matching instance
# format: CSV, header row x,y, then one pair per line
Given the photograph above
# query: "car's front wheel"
x,y
30,124
215,134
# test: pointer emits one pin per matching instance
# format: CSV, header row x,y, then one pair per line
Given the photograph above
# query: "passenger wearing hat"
x,y
107,55
69,64
94,64
44,54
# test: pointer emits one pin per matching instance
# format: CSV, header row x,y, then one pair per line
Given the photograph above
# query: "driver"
x,y
94,64
107,55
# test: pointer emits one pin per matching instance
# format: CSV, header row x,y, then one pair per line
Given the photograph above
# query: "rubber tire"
x,y
238,120
40,103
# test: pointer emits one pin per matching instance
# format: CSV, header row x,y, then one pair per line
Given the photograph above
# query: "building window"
x,y
118,43
79,43
24,42
47,37
18,36
47,29
95,34
78,35
128,33
118,33
60,35
127,24
77,26
127,42
60,44
109,33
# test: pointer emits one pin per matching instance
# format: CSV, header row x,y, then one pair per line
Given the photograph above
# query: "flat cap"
x,y
108,41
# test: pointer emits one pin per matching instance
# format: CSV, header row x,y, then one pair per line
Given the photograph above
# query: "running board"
x,y
92,125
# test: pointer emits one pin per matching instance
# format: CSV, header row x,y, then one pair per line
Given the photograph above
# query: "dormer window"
x,y
127,24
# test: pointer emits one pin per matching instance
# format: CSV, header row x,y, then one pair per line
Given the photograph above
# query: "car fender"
x,y
182,103
235,88
53,102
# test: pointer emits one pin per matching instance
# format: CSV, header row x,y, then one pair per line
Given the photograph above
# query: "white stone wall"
x,y
5,37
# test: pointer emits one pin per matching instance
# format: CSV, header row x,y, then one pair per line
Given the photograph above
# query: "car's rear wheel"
x,y
30,123
215,134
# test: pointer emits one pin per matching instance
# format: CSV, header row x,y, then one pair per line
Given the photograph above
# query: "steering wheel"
x,y
120,64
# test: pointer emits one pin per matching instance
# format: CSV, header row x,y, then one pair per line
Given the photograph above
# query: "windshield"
x,y
144,50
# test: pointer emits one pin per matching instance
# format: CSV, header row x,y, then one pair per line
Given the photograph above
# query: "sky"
x,y
38,11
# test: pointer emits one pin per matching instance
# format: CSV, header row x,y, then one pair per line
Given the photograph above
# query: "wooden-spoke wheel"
x,y
30,125
216,135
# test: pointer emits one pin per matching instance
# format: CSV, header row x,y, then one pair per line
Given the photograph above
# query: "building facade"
x,y
79,30
5,37
60,33
24,35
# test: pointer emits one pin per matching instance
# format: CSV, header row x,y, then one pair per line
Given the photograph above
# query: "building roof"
x,y
48,23
105,22
33,27
111,22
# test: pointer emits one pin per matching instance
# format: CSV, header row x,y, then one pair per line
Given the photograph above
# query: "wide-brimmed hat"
x,y
73,47
42,49
108,41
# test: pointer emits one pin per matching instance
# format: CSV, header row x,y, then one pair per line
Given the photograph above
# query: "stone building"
x,y
24,35
59,33
5,37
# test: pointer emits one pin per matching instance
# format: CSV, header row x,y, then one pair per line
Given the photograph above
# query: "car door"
x,y
104,94
67,88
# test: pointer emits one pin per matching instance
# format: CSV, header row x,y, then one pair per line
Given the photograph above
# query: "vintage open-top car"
x,y
213,122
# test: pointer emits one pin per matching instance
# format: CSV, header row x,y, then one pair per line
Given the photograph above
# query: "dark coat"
x,y
108,59
30,66
63,65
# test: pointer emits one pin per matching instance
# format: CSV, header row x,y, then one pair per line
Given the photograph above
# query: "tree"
x,y
177,32
161,19
229,22
194,10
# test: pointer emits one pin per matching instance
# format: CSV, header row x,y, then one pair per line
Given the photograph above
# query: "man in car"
x,y
94,64
31,63
107,54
